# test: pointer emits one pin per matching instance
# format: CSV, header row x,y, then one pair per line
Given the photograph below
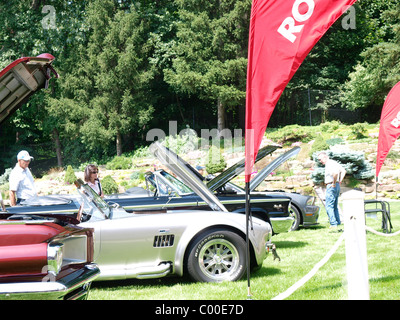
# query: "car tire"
x,y
295,213
217,256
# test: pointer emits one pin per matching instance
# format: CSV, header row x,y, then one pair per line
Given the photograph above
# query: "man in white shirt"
x,y
22,185
334,175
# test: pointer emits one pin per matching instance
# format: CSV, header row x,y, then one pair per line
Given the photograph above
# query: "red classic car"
x,y
40,257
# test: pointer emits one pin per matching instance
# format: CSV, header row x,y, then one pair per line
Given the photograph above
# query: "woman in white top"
x,y
91,177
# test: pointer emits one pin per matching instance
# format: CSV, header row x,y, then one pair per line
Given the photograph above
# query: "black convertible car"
x,y
284,210
164,191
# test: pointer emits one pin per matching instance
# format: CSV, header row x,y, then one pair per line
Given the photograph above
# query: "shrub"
x,y
330,126
359,130
119,163
334,141
142,152
289,134
5,176
186,141
318,145
108,185
215,161
354,162
70,176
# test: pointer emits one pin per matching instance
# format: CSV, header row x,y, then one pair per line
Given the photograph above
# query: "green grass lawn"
x,y
299,252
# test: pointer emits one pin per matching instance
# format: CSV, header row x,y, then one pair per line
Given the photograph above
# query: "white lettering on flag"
x,y
288,27
396,121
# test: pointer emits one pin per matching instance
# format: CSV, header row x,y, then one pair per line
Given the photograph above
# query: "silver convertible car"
x,y
284,210
207,245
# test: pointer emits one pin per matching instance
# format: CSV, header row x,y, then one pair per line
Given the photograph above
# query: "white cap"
x,y
24,155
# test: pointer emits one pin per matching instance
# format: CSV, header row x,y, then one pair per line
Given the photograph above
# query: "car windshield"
x,y
180,187
93,204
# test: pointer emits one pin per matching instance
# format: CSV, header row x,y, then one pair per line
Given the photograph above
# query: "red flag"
x,y
389,129
282,33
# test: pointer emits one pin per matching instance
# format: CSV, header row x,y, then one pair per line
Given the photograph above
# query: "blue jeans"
x,y
331,199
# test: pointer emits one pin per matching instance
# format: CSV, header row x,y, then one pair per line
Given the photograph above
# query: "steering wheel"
x,y
86,215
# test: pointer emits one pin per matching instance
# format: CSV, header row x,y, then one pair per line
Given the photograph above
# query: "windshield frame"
x,y
92,203
164,181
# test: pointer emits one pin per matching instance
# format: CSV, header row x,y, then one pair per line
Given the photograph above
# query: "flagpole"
x,y
247,188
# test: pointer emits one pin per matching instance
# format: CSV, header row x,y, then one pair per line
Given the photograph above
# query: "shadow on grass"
x,y
384,279
289,244
119,284
168,281
265,272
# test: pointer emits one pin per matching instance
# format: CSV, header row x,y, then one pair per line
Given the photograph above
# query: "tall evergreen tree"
x,y
379,69
107,97
211,53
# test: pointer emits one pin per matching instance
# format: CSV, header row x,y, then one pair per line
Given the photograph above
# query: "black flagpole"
x,y
247,188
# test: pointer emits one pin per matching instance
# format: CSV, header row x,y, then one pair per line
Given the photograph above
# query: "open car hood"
x,y
235,170
178,166
260,177
22,78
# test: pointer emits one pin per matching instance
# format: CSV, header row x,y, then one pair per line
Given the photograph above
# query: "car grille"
x,y
162,241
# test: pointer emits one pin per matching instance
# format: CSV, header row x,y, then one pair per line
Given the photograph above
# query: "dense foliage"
x,y
109,185
353,161
129,66
215,161
70,176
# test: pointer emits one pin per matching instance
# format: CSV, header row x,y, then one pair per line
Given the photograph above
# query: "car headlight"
x,y
54,257
310,201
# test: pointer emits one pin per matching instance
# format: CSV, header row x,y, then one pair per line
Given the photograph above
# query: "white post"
x,y
356,245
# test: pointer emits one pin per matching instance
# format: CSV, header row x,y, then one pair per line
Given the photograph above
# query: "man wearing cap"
x,y
334,174
22,185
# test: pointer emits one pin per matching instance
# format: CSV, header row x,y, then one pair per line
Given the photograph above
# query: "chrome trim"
x,y
54,289
202,203
281,224
54,257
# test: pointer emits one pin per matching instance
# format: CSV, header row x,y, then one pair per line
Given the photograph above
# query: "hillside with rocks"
x,y
293,176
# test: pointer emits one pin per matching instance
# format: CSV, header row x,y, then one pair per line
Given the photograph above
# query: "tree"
x,y
210,53
379,69
31,28
327,66
107,96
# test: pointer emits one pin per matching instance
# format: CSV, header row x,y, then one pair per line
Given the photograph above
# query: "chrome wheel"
x,y
219,259
217,256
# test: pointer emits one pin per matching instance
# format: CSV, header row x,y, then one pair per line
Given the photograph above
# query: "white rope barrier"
x,y
356,255
324,260
381,233
313,271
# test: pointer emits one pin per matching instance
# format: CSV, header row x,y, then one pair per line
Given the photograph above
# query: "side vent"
x,y
166,240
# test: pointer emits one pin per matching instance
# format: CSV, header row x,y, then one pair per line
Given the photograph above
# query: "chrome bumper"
x,y
75,286
281,224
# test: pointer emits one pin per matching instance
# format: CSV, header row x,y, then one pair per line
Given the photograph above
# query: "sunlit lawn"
x,y
299,252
